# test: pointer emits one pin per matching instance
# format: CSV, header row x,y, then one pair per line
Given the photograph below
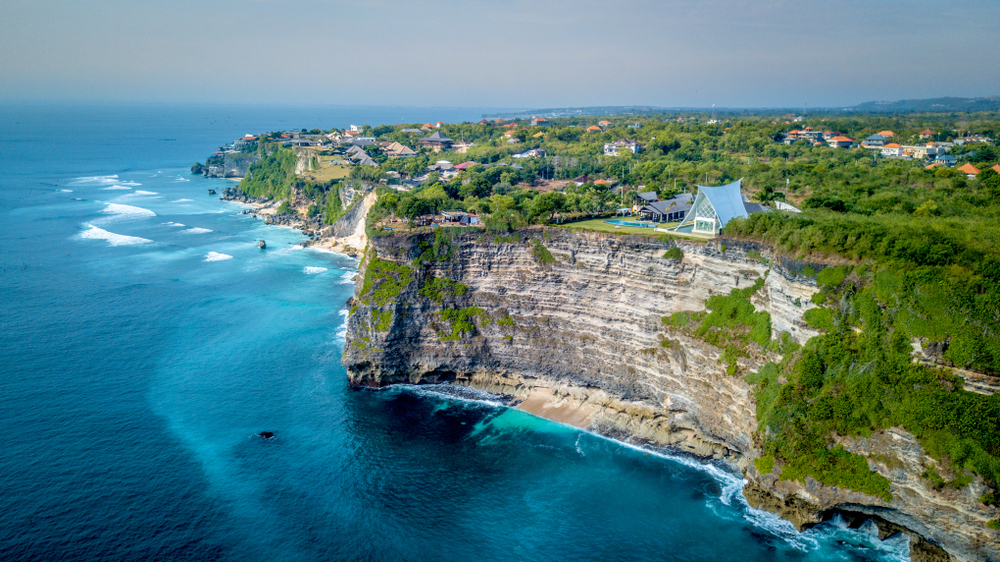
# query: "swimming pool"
x,y
631,223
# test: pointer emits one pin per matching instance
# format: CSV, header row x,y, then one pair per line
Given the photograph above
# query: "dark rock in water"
x,y
266,434
211,192
262,244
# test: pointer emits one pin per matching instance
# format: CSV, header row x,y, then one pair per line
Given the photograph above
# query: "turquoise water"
x,y
631,223
148,340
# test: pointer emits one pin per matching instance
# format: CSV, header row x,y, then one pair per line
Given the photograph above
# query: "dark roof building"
x,y
437,141
671,210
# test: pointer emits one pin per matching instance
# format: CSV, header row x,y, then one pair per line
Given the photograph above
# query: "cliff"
x,y
569,325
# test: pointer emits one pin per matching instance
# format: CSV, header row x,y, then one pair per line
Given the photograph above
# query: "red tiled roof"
x,y
892,145
969,169
593,128
996,168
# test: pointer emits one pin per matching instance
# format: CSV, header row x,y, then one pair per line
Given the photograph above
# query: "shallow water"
x,y
148,340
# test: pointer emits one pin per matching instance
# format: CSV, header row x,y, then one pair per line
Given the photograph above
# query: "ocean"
x,y
147,341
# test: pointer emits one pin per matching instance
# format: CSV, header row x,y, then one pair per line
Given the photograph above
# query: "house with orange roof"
x,y
602,182
539,122
995,168
887,134
969,170
931,166
841,141
927,134
594,128
604,123
892,150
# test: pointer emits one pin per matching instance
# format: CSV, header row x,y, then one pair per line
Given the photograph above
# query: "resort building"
x,y
436,141
713,207
667,210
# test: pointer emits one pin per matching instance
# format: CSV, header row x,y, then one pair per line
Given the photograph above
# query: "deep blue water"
x,y
146,340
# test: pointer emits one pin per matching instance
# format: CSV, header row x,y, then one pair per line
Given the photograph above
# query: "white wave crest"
x,y
197,230
347,278
96,179
180,179
171,224
127,211
66,190
94,233
216,256
115,188
181,201
342,330
313,270
141,192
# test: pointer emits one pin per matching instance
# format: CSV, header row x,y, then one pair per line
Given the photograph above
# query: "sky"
x,y
498,53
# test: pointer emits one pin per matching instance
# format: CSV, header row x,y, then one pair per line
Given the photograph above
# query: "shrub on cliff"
x,y
384,281
542,254
437,288
674,253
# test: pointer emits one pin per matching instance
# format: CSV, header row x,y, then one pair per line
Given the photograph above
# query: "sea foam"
x,y
216,256
141,192
94,233
313,270
115,188
181,201
127,211
197,230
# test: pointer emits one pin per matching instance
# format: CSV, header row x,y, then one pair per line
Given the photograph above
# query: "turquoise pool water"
x,y
631,223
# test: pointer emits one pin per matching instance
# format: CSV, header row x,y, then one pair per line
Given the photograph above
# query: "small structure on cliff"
x,y
713,207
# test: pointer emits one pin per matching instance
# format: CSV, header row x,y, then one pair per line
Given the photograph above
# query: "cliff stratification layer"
x,y
570,324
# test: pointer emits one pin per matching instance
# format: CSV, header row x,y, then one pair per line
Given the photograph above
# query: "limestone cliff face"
x,y
580,339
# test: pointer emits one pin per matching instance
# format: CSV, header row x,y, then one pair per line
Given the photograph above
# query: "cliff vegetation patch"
x,y
437,288
384,281
462,322
860,377
542,254
674,253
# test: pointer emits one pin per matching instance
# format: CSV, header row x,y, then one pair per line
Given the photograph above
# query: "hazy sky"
x,y
499,53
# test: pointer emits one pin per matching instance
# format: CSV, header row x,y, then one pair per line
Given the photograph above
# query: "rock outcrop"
x,y
570,324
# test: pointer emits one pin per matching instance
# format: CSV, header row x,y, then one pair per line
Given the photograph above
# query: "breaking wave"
x,y
94,233
181,201
141,192
197,230
313,270
115,188
127,211
216,256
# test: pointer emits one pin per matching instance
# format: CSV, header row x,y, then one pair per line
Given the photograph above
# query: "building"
x,y
887,134
398,150
840,141
669,210
712,209
612,148
539,122
969,170
946,160
874,141
927,134
594,128
436,141
533,153
782,206
892,150
646,197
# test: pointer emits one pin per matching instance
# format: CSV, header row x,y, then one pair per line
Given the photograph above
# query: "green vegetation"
x,y
506,321
541,253
384,281
674,253
461,321
441,250
437,288
764,464
859,377
271,176
381,320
